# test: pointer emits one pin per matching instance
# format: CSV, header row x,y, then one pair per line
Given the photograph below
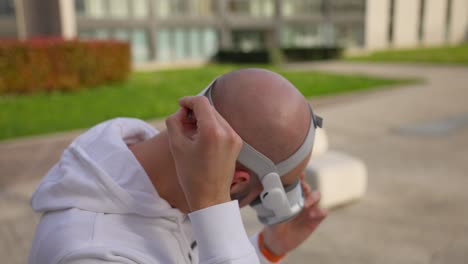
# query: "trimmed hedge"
x,y
54,64
288,54
237,56
307,54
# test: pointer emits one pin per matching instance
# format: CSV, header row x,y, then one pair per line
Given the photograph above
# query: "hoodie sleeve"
x,y
221,236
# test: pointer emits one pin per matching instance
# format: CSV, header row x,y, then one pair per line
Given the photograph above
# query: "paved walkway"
x,y
414,140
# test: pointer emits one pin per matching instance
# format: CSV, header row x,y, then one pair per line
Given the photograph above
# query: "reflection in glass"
x,y
248,40
140,51
210,43
102,34
195,44
121,35
179,39
300,36
164,51
350,34
179,44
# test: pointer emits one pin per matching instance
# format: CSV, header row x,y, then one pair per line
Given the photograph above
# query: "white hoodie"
x,y
100,207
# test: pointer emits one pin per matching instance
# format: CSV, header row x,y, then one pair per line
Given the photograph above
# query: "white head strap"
x,y
276,203
262,165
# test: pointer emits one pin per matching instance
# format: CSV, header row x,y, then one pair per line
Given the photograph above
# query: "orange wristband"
x,y
270,256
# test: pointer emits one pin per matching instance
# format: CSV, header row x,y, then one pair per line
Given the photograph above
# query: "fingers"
x,y
202,111
312,208
209,122
312,200
174,124
306,188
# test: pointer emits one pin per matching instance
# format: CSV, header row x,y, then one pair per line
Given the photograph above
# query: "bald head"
x,y
265,109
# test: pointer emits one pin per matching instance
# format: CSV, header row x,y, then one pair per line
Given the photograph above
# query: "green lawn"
x,y
443,55
145,95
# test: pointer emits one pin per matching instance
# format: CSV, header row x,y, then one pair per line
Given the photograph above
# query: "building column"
x,y
405,23
20,19
277,24
151,29
459,22
225,31
376,24
434,22
45,18
67,18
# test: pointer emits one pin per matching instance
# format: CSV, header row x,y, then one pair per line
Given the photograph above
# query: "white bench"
x,y
339,177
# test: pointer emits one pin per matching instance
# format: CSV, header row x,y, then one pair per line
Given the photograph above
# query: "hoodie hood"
x,y
99,173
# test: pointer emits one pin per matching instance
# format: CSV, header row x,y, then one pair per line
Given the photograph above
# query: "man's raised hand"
x,y
205,149
284,237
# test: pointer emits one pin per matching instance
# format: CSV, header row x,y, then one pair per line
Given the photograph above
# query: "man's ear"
x,y
240,181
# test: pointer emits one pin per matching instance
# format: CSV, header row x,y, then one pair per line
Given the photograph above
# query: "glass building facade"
x,y
171,31
184,30
7,18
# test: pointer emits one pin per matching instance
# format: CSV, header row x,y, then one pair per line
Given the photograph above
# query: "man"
x,y
124,193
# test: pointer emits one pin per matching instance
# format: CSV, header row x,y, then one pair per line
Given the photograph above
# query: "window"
x,y
176,44
140,8
350,34
7,8
248,40
164,45
94,8
203,8
121,34
196,43
256,8
94,34
240,7
302,7
102,34
210,42
140,51
86,34
118,8
301,36
167,8
162,8
80,7
180,37
346,7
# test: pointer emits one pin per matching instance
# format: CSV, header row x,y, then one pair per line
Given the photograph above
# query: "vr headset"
x,y
276,203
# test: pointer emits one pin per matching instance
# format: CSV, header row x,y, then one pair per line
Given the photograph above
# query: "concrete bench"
x,y
339,177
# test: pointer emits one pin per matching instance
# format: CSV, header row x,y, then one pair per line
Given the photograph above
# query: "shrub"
x,y
237,56
54,64
310,54
286,54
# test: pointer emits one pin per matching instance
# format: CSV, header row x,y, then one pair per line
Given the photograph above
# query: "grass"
x,y
144,95
440,55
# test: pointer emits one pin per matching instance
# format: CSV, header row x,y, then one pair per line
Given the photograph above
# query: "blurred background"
x,y
184,31
388,76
